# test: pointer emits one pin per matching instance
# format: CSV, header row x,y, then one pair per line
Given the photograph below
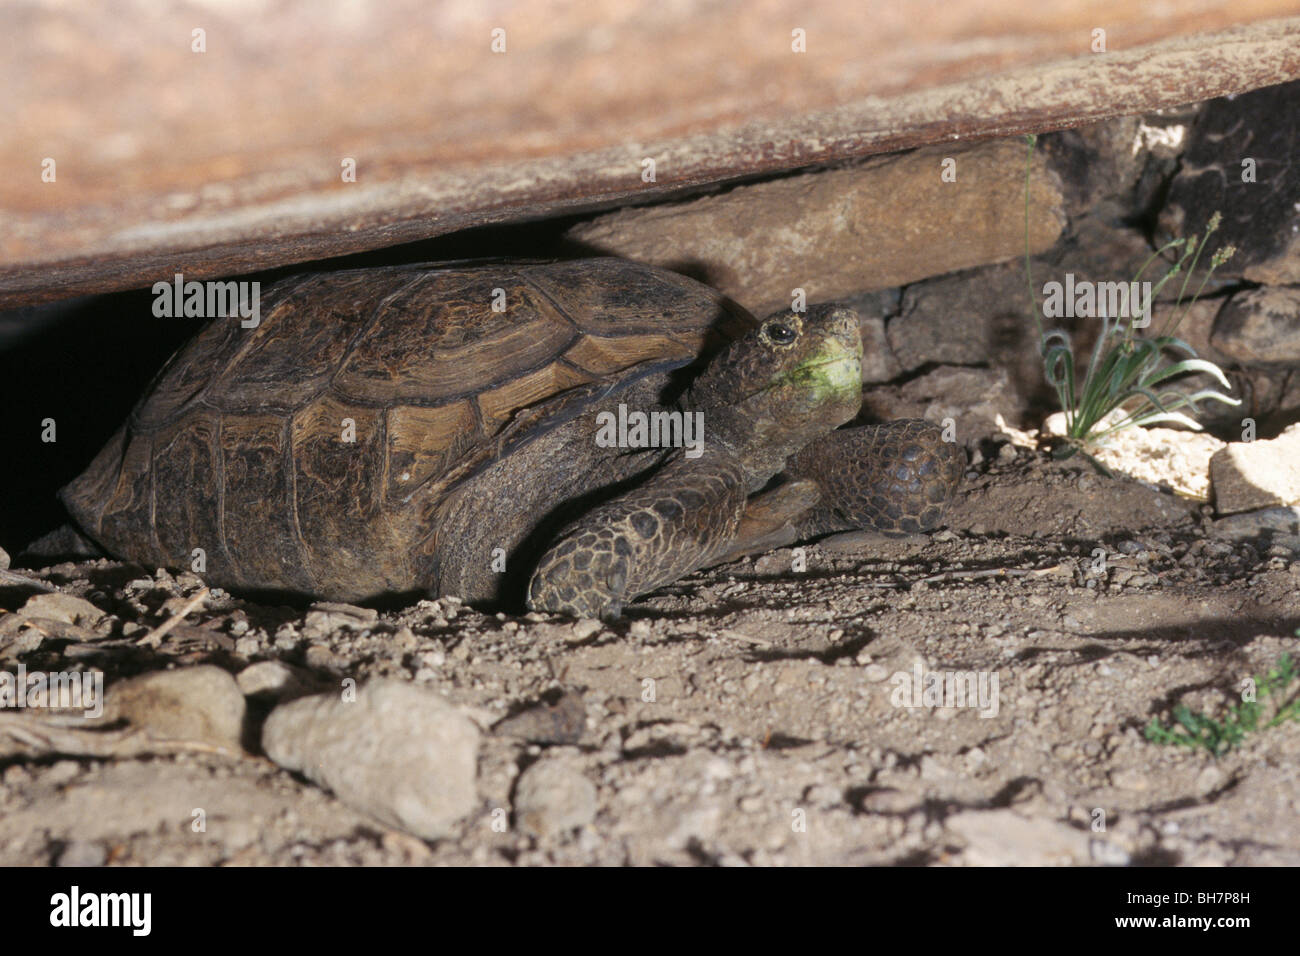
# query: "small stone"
x,y
888,800
1005,838
875,673
82,853
405,639
552,797
247,646
1106,853
1209,780
583,629
561,722
1250,475
62,607
319,657
398,752
273,681
65,771
326,617
200,704
1130,778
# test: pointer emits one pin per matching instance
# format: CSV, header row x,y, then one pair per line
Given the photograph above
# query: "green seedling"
x,y
1274,703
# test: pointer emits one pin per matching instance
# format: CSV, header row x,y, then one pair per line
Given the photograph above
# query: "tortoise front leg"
x,y
897,478
670,525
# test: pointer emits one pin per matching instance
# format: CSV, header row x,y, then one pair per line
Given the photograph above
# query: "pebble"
x,y
553,797
398,752
62,607
326,617
273,681
562,722
82,853
582,629
1005,838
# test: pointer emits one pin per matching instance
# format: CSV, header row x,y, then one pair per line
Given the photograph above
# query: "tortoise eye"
x,y
779,333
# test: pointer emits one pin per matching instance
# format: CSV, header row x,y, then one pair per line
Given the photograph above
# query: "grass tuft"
x,y
1128,374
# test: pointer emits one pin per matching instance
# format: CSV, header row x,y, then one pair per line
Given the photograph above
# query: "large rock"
x,y
1260,326
201,704
1260,217
168,156
1096,162
1257,474
882,223
398,752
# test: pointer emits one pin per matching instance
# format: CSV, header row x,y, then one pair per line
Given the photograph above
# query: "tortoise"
x,y
434,428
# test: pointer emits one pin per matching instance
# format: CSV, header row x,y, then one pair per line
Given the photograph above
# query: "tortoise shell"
x,y
312,452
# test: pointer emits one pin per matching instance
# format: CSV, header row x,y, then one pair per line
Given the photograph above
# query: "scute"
x,y
439,339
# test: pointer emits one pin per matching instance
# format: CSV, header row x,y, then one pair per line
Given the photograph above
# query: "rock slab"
x,y
875,225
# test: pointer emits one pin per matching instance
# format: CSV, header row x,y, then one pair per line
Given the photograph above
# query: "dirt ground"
x,y
751,714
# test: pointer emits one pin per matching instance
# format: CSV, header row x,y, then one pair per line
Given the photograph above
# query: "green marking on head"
x,y
831,372
792,378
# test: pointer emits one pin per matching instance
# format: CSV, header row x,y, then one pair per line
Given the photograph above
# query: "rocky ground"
x,y
750,714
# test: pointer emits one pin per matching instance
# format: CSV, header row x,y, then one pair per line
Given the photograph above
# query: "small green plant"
x,y
1270,703
1127,379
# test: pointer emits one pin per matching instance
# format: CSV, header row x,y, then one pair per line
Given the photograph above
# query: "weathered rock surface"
x,y
879,364
398,752
968,318
1240,162
1260,326
1257,474
885,222
1162,456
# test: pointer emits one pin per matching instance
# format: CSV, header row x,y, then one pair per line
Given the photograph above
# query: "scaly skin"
x,y
896,478
650,537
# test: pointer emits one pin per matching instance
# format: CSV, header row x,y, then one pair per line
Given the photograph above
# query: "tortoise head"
x,y
793,377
